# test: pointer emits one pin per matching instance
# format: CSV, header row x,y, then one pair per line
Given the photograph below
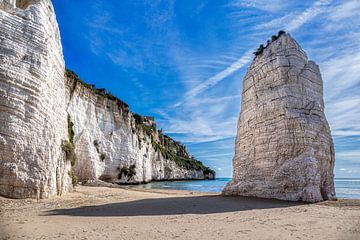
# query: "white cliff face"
x,y
284,148
32,95
109,141
35,100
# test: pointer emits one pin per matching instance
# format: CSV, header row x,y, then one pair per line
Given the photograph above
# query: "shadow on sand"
x,y
174,206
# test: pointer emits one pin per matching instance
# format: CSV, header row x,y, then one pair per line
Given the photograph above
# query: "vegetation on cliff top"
x,y
99,91
168,148
261,48
187,162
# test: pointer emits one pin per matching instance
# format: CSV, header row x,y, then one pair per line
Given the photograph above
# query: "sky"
x,y
183,61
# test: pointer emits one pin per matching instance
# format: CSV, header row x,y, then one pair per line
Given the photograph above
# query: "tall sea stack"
x,y
284,148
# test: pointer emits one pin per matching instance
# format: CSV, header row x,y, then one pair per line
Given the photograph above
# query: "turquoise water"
x,y
345,187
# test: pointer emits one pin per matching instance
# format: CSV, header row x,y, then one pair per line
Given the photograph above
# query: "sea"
x,y
344,187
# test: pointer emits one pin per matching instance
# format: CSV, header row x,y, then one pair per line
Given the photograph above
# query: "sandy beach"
x,y
118,213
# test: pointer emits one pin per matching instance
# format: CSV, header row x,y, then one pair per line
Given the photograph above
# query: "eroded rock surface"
x,y
284,148
32,96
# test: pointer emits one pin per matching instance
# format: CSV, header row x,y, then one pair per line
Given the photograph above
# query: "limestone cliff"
x,y
284,148
54,127
115,145
32,96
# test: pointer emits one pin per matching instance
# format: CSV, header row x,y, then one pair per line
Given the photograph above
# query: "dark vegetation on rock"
x,y
261,48
69,148
167,147
100,91
128,172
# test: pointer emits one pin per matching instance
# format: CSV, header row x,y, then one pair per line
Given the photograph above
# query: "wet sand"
x,y
120,213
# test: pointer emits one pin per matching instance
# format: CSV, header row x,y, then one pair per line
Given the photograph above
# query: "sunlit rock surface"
x,y
284,148
109,140
32,97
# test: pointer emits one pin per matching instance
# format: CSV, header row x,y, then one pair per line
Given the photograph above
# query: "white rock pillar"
x,y
32,102
284,147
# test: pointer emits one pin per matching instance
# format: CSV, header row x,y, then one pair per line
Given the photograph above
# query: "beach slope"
x,y
120,213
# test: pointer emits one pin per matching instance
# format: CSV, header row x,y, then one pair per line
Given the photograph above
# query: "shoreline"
x,y
125,213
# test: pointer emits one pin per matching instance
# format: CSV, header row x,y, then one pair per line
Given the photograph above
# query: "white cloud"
x,y
294,24
338,73
264,5
241,62
277,23
295,19
307,15
214,100
346,10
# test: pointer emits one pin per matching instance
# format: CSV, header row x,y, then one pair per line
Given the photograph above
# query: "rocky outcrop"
x,y
115,145
284,148
32,96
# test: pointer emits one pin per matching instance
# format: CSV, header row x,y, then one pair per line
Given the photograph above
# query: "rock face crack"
x,y
284,147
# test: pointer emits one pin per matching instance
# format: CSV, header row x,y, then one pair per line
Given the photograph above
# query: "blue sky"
x,y
183,62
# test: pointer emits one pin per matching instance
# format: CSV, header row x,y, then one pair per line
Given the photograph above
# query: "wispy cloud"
x,y
307,15
212,81
346,10
194,67
264,5
294,19
294,24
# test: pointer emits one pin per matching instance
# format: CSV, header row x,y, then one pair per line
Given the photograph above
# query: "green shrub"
x,y
139,120
74,179
274,38
281,32
69,149
261,48
148,130
182,161
100,91
75,78
70,129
